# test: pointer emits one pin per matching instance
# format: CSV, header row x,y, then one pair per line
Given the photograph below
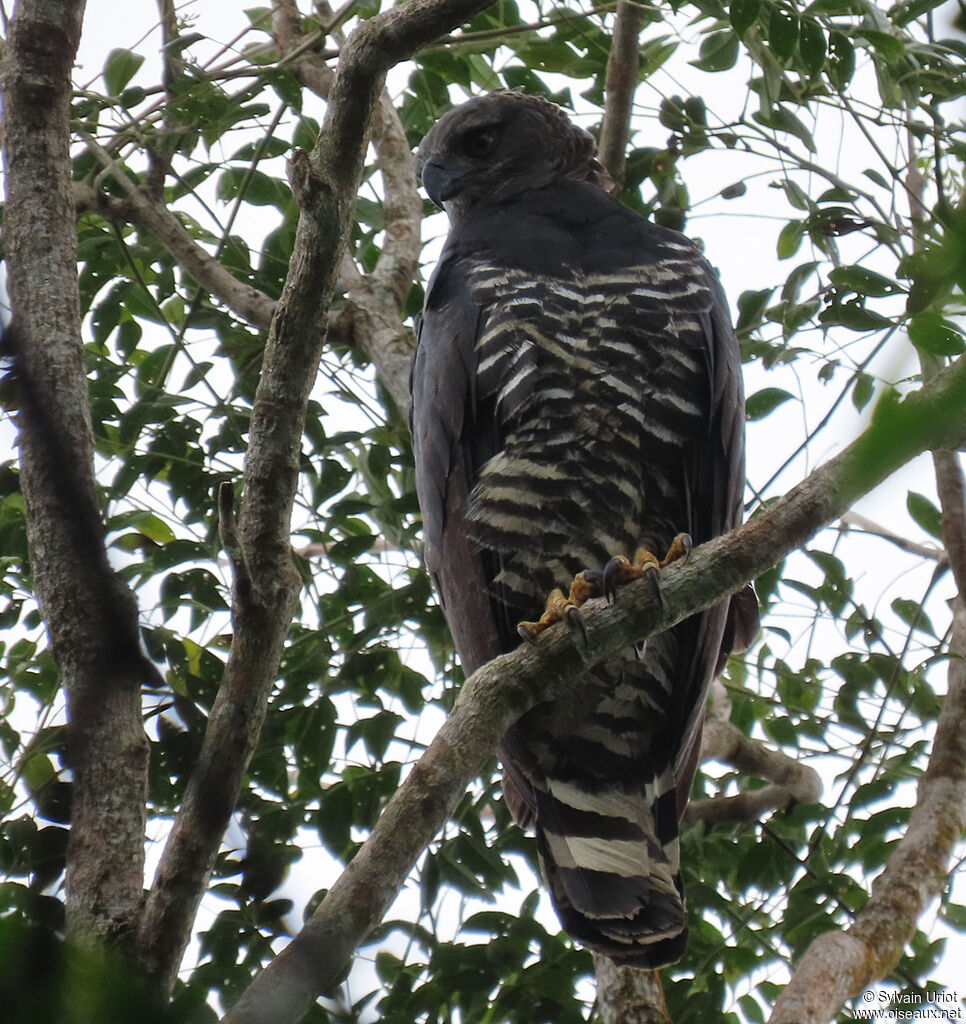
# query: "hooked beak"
x,y
440,183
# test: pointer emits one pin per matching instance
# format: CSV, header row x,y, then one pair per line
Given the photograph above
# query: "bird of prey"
x,y
576,395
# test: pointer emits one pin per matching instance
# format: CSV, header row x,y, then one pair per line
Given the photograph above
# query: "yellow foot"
x,y
594,582
560,606
620,570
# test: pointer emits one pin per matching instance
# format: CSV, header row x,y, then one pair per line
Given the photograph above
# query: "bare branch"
x,y
721,740
866,525
172,66
500,692
952,498
741,809
623,68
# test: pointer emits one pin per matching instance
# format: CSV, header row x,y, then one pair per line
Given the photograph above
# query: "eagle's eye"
x,y
479,142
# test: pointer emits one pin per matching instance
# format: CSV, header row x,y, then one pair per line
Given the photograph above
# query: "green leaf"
x,y
790,239
854,316
812,46
862,391
930,332
889,46
795,194
38,772
120,67
925,514
742,14
719,52
841,60
181,43
255,187
863,282
890,91
751,310
912,615
782,32
902,14
783,120
739,188
655,53
766,401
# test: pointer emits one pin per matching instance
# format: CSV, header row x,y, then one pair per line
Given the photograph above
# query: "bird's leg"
x,y
620,570
560,606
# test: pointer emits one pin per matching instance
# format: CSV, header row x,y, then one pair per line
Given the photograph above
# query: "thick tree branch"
x,y
628,995
91,616
325,183
623,68
500,692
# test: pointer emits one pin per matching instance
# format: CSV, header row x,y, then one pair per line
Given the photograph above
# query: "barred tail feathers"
x,y
611,863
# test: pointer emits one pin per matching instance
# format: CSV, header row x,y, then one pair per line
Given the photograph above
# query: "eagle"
x,y
576,398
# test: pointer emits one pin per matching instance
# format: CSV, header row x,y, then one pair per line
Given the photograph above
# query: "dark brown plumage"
x,y
576,395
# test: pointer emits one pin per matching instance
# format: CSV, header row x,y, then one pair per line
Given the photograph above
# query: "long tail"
x,y
612,866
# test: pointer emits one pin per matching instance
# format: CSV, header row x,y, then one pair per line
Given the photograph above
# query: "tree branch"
x,y
628,995
840,964
951,488
370,319
325,183
172,66
92,618
855,519
500,692
247,302
623,68
721,740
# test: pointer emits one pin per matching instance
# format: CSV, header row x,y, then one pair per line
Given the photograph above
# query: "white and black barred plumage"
x,y
576,395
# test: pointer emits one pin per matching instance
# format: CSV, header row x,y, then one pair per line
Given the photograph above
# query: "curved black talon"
x,y
611,577
652,575
576,624
525,633
595,577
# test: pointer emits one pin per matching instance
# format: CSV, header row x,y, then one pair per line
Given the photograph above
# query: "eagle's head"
x,y
499,145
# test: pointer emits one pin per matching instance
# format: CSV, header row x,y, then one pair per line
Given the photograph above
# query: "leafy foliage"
x,y
867,277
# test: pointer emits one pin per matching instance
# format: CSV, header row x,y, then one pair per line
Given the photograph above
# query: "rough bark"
x,y
620,84
500,692
91,617
266,591
628,995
